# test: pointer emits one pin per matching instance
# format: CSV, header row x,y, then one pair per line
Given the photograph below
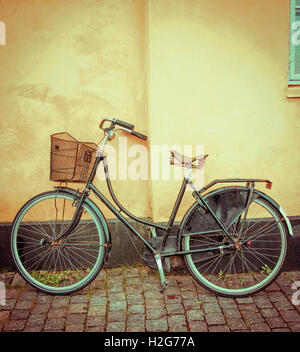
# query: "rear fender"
x,y
262,195
224,218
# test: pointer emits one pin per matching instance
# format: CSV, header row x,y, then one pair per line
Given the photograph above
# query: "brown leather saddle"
x,y
196,162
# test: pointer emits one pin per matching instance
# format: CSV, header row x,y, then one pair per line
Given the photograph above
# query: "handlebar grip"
x,y
139,135
124,124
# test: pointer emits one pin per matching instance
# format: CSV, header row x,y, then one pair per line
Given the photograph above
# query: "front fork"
x,y
78,202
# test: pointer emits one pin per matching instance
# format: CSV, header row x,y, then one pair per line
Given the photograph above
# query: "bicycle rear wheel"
x,y
52,266
245,265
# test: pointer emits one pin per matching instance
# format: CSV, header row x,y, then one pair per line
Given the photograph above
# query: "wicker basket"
x,y
71,161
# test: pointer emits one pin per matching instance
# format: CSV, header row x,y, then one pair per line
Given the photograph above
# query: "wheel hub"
x,y
56,243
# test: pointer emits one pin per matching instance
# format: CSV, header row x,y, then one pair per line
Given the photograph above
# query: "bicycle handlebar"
x,y
139,135
126,125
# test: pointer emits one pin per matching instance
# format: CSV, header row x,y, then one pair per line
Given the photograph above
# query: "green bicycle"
x,y
234,239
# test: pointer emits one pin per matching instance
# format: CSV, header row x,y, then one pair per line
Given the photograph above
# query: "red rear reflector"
x,y
269,185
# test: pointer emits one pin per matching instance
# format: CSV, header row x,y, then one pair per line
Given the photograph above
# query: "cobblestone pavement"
x,y
128,299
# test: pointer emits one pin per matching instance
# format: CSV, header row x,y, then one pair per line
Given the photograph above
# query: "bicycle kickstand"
x,y
164,282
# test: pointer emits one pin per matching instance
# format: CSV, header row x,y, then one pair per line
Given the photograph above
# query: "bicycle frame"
x,y
186,181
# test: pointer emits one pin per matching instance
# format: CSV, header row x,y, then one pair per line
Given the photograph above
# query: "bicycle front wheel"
x,y
247,261
57,266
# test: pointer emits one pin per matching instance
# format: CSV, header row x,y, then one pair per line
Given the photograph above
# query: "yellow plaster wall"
x,y
218,78
185,72
67,65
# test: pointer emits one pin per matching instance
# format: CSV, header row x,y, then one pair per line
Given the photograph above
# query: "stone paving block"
x,y
155,303
248,307
75,319
295,327
135,299
136,320
74,299
40,308
18,281
59,301
36,320
19,314
269,312
12,293
207,298
96,310
9,304
172,298
136,308
178,328
115,272
236,324
15,325
211,308
98,328
98,301
131,273
24,304
4,316
214,318
259,327
290,316
152,295
252,317
262,302
227,302
275,322
28,295
198,326
283,305
154,313
117,305
118,316
231,313
190,304
116,296
54,324
57,312
194,315
132,328
115,327
176,308
95,321
176,320
78,308
157,325
114,288
187,294
74,328
134,289
218,328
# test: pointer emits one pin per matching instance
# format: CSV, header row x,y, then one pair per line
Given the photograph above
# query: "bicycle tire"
x,y
242,270
58,268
